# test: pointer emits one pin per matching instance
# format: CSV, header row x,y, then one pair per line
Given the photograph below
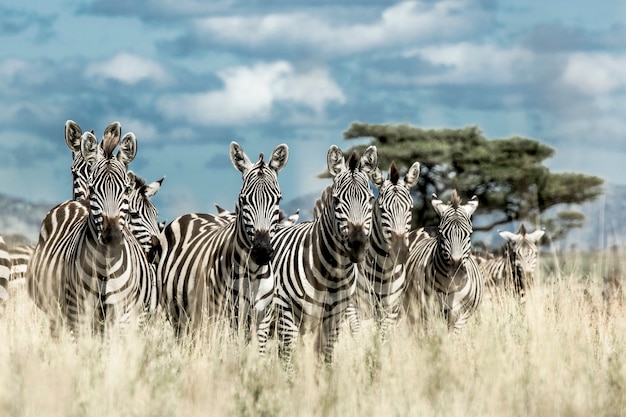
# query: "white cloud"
x,y
127,68
250,93
466,63
403,23
595,73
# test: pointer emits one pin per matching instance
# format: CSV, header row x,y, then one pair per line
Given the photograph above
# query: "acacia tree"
x,y
507,175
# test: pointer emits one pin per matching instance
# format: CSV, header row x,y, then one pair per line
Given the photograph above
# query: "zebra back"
x,y
514,270
218,266
5,274
381,280
315,261
441,268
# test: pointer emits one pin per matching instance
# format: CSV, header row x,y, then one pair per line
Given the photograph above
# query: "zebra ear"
x,y
239,158
369,160
128,149
335,161
280,156
411,177
536,235
438,205
111,138
508,236
377,178
153,187
471,206
73,135
132,179
89,147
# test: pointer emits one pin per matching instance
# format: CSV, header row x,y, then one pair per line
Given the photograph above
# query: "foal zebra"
x,y
315,262
5,274
440,267
215,267
90,268
381,280
514,270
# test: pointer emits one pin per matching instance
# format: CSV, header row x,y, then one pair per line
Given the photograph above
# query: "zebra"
x,y
283,219
90,268
5,274
217,266
20,255
80,167
315,261
441,268
381,281
514,270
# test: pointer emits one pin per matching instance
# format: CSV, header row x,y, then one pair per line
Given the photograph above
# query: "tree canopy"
x,y
507,175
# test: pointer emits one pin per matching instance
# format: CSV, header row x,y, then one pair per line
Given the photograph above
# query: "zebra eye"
x,y
128,190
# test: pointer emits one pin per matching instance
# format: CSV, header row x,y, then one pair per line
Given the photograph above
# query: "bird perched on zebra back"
x,y
5,275
381,281
217,266
88,270
514,270
442,276
315,261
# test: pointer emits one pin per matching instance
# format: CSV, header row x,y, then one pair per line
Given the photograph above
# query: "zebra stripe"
x,y
217,266
20,255
5,274
90,269
381,281
514,270
315,262
440,267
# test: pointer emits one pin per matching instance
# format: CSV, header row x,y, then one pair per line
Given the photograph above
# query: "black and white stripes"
x,y
442,274
315,262
218,266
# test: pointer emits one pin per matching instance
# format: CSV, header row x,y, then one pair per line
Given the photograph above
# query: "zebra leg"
x,y
264,328
287,337
354,319
329,334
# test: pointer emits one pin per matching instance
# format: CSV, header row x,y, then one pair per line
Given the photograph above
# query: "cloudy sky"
x,y
190,76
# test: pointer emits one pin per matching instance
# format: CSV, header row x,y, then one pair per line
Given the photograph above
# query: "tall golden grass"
x,y
563,353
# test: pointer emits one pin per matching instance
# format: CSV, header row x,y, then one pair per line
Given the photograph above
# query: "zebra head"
x,y
80,168
392,211
455,228
109,185
257,205
521,250
352,199
143,214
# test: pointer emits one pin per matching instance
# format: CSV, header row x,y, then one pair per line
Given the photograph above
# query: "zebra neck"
x,y
451,278
323,241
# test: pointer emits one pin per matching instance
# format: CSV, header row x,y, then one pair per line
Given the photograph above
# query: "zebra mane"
x,y
321,202
108,145
456,200
394,174
522,230
353,162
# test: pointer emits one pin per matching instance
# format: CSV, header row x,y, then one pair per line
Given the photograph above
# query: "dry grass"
x,y
560,354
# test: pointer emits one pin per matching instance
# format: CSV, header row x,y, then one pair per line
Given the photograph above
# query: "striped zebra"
x,y
5,274
441,271
514,270
216,268
381,281
315,262
90,269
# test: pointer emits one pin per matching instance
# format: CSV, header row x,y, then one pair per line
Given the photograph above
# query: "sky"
x,y
190,76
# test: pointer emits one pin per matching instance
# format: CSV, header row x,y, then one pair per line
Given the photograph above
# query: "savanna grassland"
x,y
563,353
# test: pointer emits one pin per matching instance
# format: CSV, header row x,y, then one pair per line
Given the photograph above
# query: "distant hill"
x,y
20,220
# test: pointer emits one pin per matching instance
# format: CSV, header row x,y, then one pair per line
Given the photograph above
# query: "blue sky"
x,y
189,76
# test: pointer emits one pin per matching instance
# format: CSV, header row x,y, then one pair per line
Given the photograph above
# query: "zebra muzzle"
x,y
357,242
111,231
262,251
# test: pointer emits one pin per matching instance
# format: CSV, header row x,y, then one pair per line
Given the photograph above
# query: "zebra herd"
x,y
104,260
